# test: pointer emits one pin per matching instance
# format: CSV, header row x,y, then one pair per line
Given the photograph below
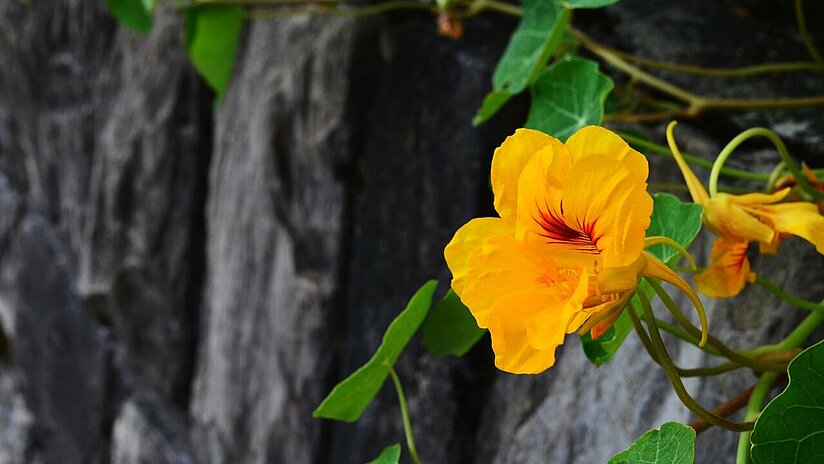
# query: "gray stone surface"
x,y
181,284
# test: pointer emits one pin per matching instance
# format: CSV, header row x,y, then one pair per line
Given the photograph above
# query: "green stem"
x,y
670,370
759,395
788,161
494,5
744,71
805,35
407,424
683,335
725,351
331,8
694,160
791,299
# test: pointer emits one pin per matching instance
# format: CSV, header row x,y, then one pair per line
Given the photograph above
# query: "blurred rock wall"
x,y
184,284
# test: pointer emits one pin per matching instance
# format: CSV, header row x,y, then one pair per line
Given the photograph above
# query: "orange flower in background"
x,y
567,250
738,220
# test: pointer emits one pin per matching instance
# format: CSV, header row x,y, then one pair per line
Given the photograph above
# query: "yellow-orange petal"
x,y
509,330
468,238
606,206
799,218
508,162
758,198
697,191
504,265
733,222
728,272
595,140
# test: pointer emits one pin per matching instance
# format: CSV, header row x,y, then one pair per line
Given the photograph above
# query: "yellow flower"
x,y
738,220
567,250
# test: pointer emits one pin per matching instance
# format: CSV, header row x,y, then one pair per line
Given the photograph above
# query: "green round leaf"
x,y
674,219
349,399
791,427
568,96
673,443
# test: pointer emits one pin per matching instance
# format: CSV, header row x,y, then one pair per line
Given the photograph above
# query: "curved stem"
x,y
753,363
407,424
759,395
669,369
744,71
805,35
693,159
791,299
788,161
662,240
332,8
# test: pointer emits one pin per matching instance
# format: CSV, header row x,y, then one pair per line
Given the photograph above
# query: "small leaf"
x,y
132,14
674,219
390,455
540,31
493,101
586,3
673,443
450,328
569,95
212,39
600,351
791,427
350,397
670,218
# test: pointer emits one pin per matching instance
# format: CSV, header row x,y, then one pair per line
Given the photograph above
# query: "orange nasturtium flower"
x,y
567,250
738,220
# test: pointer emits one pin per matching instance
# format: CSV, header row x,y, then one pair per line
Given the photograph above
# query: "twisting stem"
x,y
805,35
753,363
791,299
407,424
669,369
788,161
730,406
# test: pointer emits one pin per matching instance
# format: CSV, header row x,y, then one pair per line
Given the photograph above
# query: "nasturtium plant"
x,y
567,96
390,455
349,398
791,427
586,3
670,218
212,39
450,328
673,443
536,37
135,14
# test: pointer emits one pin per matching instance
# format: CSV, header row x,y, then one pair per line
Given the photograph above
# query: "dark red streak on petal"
x,y
558,231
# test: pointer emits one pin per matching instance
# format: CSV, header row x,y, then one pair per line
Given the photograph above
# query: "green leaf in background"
x,y
132,14
450,328
539,32
569,95
390,455
212,39
493,101
791,427
586,3
670,218
673,443
349,398
674,219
